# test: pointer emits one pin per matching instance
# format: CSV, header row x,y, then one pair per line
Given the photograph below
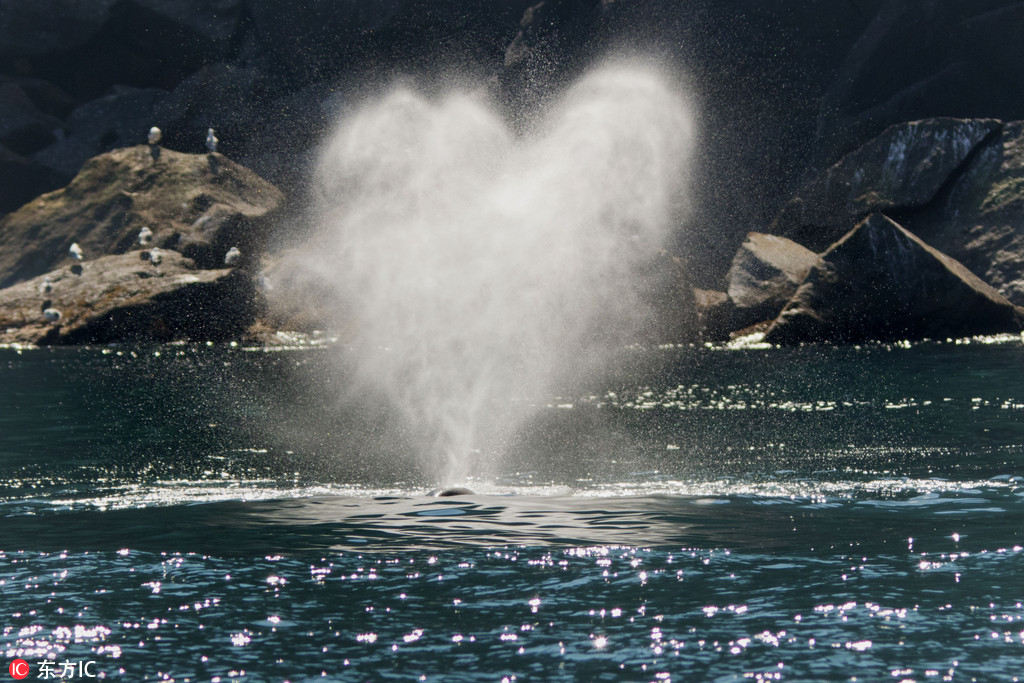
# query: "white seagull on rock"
x,y
211,141
154,135
51,314
145,235
46,286
75,251
232,257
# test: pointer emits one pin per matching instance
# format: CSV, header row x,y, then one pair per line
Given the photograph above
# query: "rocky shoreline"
x,y
814,117
206,223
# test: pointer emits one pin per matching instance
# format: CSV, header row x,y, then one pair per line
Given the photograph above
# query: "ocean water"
x,y
194,513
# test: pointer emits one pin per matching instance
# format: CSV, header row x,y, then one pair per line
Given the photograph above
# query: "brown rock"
x,y
765,273
198,204
880,282
125,298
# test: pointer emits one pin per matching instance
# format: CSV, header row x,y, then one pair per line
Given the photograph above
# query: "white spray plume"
x,y
475,265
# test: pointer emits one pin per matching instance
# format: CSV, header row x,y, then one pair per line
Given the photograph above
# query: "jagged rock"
x,y
903,168
980,220
880,282
200,205
919,58
22,179
765,273
124,298
118,119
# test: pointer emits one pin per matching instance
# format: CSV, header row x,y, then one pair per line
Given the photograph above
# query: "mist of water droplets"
x,y
474,264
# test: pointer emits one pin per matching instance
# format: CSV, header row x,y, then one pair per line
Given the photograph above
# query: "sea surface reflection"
x,y
214,513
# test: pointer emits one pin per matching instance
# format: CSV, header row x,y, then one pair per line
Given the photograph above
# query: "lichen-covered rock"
x,y
764,274
902,169
880,282
980,221
126,298
199,205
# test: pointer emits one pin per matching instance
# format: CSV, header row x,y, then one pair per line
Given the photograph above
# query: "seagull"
x,y
46,286
232,257
51,314
154,135
211,141
145,236
75,251
155,257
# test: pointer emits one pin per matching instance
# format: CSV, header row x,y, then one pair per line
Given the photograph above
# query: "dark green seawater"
x,y
197,513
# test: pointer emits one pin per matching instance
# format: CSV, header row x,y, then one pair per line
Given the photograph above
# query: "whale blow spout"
x,y
478,266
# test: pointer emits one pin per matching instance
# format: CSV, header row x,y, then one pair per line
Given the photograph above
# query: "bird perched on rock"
x,y
46,286
51,314
154,135
211,141
75,251
232,257
155,257
145,236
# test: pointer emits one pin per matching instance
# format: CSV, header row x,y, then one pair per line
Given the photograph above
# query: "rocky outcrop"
x,y
127,298
902,169
980,219
880,282
957,184
120,118
198,205
765,273
922,58
778,84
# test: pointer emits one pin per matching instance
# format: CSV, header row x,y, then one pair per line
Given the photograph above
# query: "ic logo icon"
x,y
19,669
